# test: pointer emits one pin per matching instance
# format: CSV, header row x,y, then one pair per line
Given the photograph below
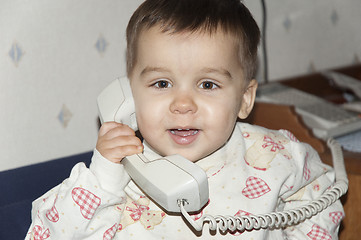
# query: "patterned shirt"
x,y
257,171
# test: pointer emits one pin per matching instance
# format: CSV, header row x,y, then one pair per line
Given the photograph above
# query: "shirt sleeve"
x,y
311,180
84,206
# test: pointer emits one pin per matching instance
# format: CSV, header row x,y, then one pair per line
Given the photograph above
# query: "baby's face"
x,y
187,90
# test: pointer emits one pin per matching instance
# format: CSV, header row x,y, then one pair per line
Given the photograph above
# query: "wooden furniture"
x,y
284,117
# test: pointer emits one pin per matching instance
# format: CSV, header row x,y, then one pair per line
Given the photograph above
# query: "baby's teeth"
x,y
182,132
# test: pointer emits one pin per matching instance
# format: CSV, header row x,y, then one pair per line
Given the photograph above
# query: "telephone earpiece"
x,y
115,103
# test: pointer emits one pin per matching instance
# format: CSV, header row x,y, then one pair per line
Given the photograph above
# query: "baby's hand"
x,y
116,141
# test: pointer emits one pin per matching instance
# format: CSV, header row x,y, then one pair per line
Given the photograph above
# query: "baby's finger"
x,y
105,143
107,126
118,153
120,131
113,129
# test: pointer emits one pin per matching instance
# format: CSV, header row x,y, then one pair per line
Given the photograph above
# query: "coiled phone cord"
x,y
280,219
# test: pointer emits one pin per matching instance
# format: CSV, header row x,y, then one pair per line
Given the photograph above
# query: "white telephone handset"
x,y
168,180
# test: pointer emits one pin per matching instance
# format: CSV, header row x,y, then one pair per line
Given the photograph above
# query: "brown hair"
x,y
174,16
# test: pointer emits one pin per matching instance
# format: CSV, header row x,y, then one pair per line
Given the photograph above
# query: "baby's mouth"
x,y
184,136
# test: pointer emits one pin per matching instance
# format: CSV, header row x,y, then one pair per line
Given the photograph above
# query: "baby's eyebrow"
x,y
149,69
220,71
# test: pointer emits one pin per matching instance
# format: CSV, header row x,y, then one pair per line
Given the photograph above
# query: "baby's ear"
x,y
248,99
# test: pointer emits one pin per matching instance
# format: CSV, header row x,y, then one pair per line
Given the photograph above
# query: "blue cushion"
x,y
20,187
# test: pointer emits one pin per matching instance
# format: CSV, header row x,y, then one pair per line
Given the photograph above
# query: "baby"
x,y
191,65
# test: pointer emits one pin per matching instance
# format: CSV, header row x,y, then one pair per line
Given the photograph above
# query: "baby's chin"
x,y
192,155
188,155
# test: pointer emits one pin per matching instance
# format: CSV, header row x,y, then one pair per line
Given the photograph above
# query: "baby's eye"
x,y
162,84
208,85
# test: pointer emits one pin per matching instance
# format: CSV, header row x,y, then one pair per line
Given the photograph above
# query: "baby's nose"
x,y
183,104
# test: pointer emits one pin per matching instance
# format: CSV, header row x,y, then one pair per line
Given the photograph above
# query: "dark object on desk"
x,y
319,85
21,186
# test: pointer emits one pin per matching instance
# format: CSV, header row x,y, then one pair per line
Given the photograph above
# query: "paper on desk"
x,y
351,142
352,106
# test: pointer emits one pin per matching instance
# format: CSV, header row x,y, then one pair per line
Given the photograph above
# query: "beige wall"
x,y
51,67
